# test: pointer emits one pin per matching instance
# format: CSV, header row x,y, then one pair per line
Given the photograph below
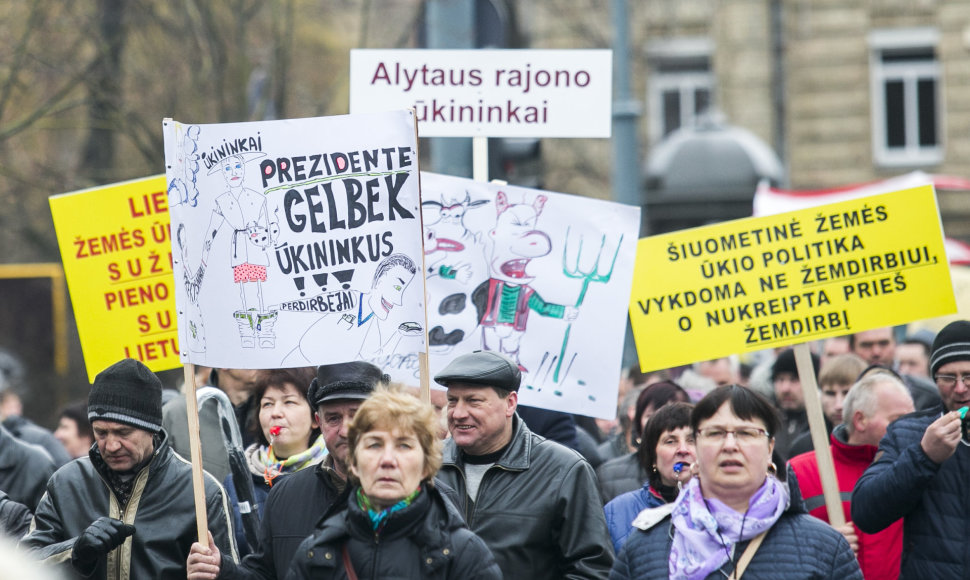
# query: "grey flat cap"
x,y
482,367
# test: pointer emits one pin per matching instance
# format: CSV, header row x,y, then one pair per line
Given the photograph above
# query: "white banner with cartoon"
x,y
296,242
541,277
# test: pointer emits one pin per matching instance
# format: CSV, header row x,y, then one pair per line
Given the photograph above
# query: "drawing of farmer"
x,y
504,300
244,212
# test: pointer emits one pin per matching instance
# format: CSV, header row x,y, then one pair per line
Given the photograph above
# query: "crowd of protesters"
x,y
708,471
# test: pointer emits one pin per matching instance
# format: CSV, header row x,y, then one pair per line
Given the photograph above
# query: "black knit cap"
x,y
785,363
951,344
484,368
349,380
127,392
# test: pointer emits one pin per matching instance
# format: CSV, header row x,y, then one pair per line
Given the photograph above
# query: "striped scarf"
x,y
262,460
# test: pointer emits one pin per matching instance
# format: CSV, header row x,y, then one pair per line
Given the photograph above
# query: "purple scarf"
x,y
706,531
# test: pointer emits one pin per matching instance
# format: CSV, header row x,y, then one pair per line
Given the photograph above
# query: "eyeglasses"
x,y
743,435
951,380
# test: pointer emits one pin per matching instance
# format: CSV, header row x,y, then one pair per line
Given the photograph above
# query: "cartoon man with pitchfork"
x,y
505,299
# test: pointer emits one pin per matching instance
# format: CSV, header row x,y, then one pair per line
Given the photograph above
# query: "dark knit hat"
x,y
127,392
349,380
486,368
785,363
951,344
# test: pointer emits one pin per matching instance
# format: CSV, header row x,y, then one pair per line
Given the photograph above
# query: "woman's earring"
x,y
694,469
772,470
655,470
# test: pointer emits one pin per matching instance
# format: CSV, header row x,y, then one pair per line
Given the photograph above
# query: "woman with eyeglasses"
x,y
734,516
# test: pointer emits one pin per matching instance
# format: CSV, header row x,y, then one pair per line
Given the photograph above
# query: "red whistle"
x,y
275,430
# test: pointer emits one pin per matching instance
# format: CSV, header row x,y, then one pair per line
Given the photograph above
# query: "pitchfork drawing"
x,y
593,275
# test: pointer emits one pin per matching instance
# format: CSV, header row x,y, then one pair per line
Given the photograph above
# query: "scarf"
x,y
707,530
262,460
378,518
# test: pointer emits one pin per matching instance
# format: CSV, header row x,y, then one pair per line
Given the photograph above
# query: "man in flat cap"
x,y
127,509
296,503
533,501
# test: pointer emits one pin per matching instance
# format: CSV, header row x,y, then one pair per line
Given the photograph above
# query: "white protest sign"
x,y
540,277
489,93
296,242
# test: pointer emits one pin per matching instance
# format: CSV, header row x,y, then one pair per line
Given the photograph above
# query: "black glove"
x,y
104,535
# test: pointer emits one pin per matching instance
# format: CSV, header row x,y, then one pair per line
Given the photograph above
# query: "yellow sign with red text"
x,y
116,251
766,282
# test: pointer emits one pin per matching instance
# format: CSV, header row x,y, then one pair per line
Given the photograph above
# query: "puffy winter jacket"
x,y
622,510
161,507
428,539
932,498
797,547
537,509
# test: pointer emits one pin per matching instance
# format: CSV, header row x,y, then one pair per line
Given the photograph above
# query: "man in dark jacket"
x,y
14,517
126,511
921,471
790,401
532,500
296,504
24,469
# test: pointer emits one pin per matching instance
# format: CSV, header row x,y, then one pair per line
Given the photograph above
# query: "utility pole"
x,y
451,24
626,150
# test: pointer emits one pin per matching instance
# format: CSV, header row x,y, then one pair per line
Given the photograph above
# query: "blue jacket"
x,y
797,547
932,499
623,509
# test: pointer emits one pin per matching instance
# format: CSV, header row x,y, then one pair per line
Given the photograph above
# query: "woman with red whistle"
x,y
287,438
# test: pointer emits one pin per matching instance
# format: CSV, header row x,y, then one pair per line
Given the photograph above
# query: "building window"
x,y
906,97
681,85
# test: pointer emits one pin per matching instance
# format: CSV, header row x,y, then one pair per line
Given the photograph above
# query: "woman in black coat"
x,y
394,523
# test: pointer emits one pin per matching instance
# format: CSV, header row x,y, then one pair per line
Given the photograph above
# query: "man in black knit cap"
x,y
127,509
922,470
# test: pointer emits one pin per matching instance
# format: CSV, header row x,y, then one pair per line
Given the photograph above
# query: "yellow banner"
x,y
766,282
116,251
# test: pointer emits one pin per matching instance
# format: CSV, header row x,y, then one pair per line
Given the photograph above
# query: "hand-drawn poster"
x,y
296,242
540,277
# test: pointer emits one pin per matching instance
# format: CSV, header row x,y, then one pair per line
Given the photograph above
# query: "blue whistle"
x,y
680,465
963,412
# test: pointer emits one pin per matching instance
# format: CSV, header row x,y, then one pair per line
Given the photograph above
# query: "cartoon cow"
x,y
453,258
505,299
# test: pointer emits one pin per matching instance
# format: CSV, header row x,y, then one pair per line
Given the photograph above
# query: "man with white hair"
x,y
871,404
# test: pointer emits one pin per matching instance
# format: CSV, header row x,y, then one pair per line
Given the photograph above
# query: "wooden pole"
x,y
423,372
195,451
820,439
